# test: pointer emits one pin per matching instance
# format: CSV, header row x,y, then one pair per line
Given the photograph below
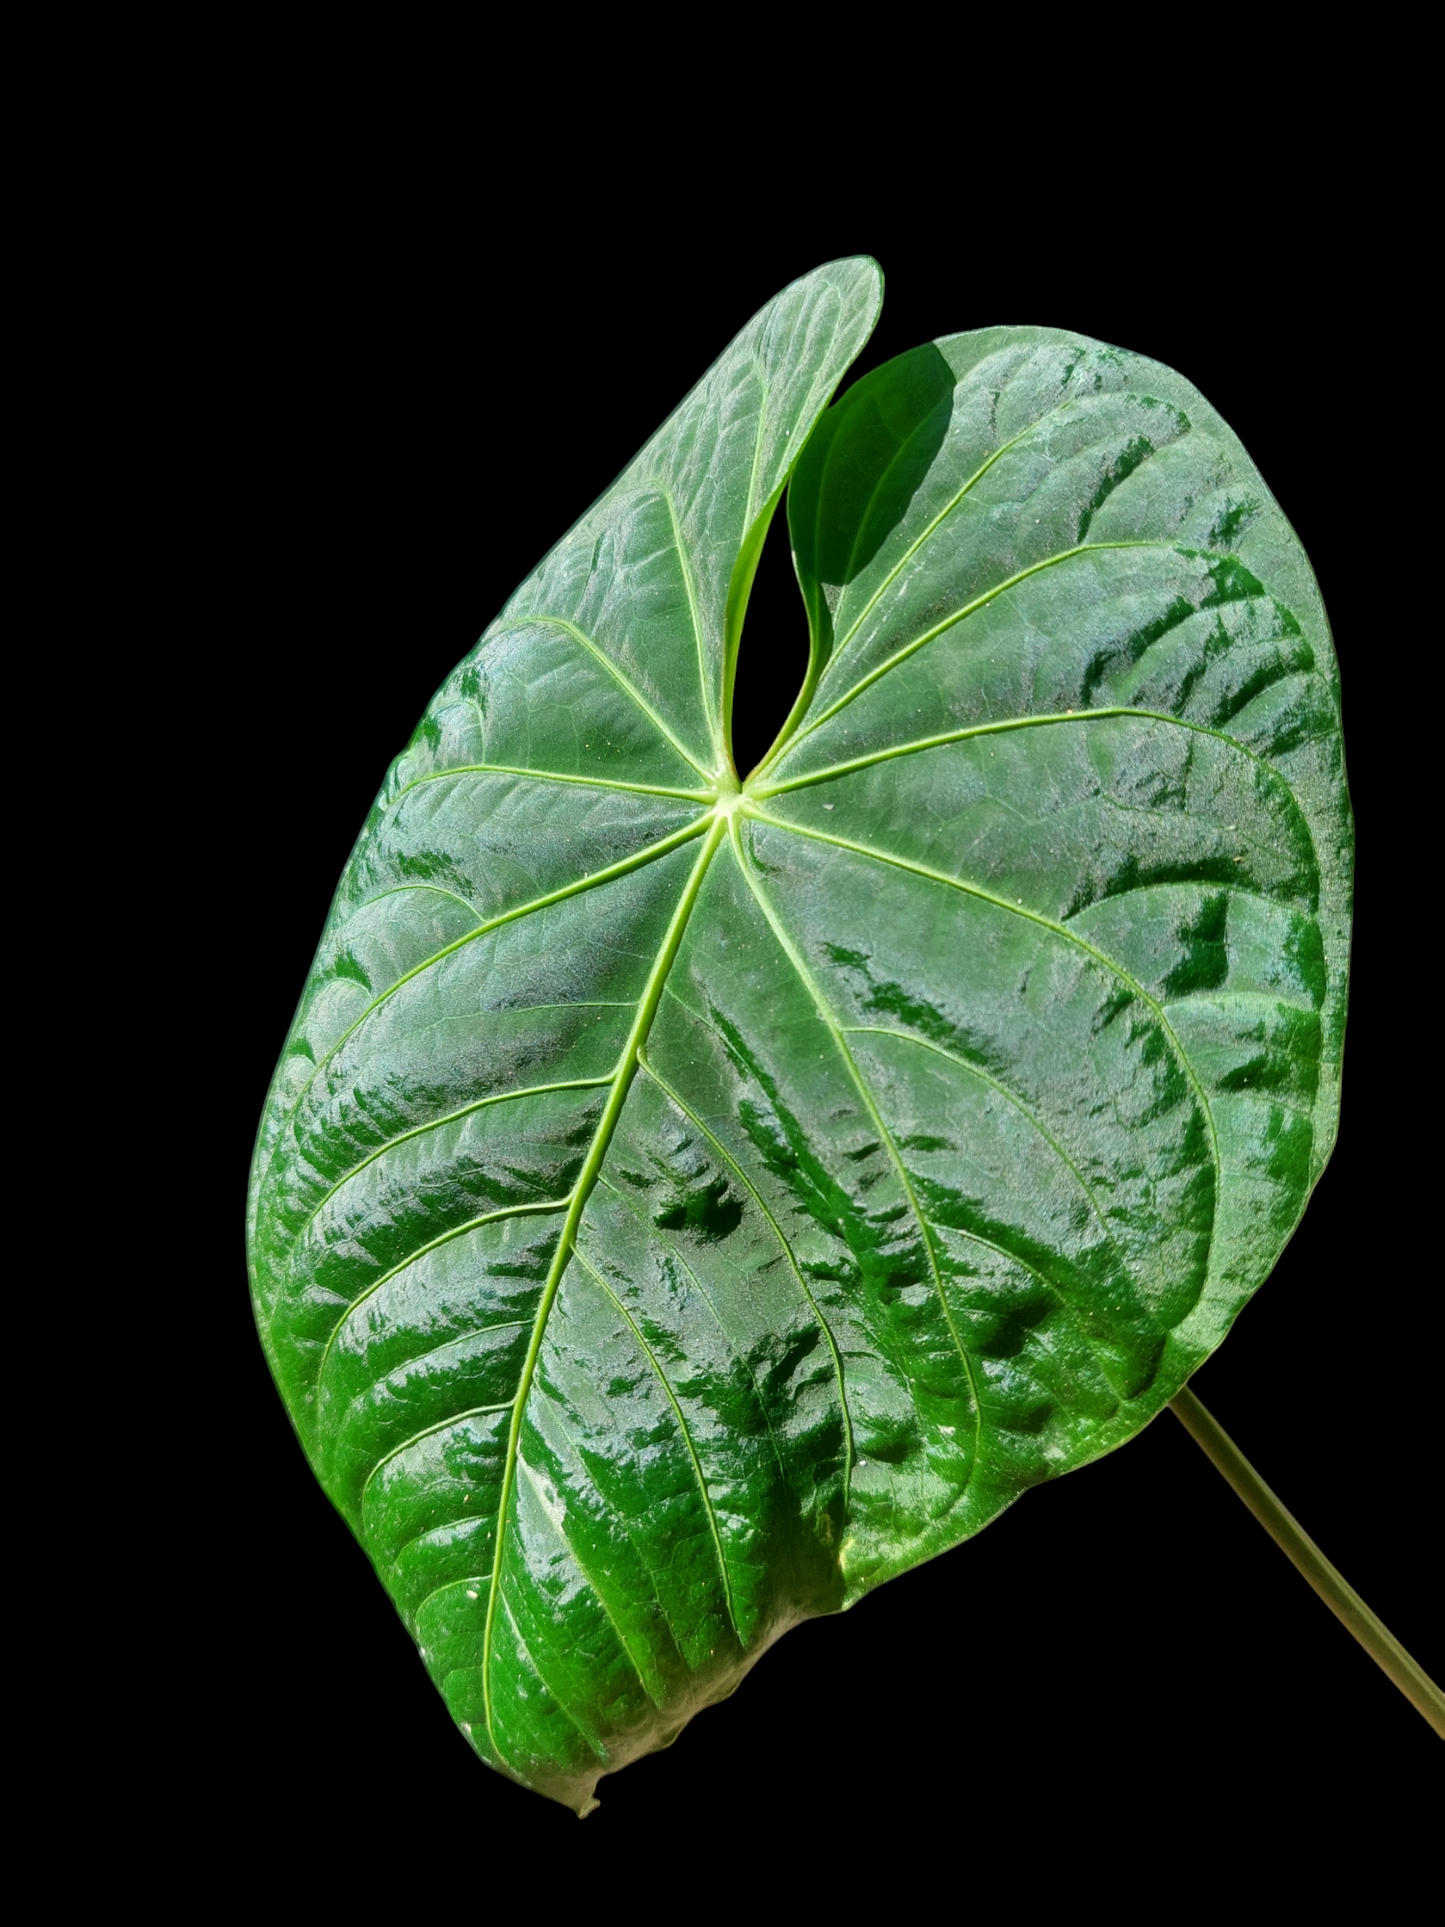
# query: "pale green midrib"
x,y
782,1239
1046,923
623,1077
682,1426
825,1012
582,1190
1010,1097
657,983
657,1231
549,776
623,682
819,836
962,614
577,887
542,1206
1005,725
767,791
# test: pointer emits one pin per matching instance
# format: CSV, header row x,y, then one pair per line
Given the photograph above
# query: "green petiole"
x,y
1292,1539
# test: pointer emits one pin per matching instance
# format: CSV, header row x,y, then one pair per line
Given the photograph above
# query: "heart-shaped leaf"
x,y
682,1206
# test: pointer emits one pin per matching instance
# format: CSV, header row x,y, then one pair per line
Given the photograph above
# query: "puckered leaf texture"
x,y
684,1204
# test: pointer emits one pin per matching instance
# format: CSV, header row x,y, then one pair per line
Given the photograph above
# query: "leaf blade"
x,y
680,1212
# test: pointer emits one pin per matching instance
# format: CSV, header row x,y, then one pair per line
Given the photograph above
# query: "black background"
x,y
409,412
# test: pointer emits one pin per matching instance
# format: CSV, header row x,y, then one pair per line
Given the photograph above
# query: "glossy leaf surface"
x,y
682,1206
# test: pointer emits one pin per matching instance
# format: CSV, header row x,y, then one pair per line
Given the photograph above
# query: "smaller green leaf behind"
x,y
867,459
682,1207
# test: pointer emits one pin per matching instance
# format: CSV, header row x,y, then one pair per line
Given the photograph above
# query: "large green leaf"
x,y
682,1207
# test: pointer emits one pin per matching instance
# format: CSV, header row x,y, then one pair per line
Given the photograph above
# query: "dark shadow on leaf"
x,y
707,1210
861,469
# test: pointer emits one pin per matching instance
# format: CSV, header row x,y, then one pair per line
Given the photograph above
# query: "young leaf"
x,y
684,1205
